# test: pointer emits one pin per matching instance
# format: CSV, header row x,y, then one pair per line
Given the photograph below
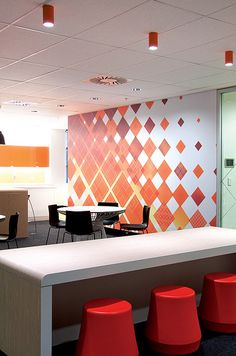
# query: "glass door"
x,y
227,138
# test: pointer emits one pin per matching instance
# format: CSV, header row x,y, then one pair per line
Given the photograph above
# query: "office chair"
x,y
12,232
54,221
139,227
114,219
78,223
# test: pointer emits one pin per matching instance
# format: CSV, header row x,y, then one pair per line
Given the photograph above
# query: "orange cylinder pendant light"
x,y
48,15
153,41
229,58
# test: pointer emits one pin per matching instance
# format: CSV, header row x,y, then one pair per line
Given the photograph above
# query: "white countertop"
x,y
61,263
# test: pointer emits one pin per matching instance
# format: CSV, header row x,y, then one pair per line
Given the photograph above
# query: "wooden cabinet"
x,y
12,201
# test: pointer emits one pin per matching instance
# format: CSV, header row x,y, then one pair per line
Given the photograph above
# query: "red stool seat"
x,y
217,309
107,329
172,327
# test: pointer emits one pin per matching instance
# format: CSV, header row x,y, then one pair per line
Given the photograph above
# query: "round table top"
x,y
2,217
93,209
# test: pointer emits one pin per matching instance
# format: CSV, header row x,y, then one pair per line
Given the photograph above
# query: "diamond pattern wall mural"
x,y
160,153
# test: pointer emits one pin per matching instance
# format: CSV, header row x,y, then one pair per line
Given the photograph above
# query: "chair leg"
x,y
58,235
48,235
72,237
16,243
8,246
63,237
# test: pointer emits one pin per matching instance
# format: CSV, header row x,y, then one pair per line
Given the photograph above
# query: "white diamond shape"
x,y
117,138
105,139
117,158
143,158
105,119
172,205
142,180
94,121
143,136
129,137
129,158
129,180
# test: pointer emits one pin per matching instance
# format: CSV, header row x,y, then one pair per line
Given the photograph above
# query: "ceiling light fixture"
x,y
153,41
229,58
48,15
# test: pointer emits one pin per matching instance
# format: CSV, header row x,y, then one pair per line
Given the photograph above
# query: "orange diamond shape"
x,y
181,218
198,171
197,220
164,147
164,170
164,217
122,190
180,195
99,188
180,146
149,147
214,198
149,192
164,123
164,193
79,187
149,169
135,126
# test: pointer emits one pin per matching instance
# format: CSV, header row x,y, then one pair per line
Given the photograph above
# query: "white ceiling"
x,y
51,67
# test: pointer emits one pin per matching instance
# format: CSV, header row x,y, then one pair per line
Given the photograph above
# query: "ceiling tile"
x,y
17,43
203,7
76,16
63,77
10,10
111,61
134,25
23,71
69,52
226,15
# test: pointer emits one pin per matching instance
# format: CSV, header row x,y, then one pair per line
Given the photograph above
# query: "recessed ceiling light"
x,y
19,102
136,89
95,98
60,105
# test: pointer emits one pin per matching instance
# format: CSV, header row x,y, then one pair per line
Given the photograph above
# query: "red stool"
x,y
172,327
217,309
107,329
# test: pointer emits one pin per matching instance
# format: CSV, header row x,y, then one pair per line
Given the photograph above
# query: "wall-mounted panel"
x,y
24,156
160,153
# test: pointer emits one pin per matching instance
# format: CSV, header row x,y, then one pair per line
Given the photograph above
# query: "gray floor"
x,y
38,234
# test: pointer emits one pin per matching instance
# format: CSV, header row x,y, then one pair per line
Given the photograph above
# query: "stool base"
x,y
174,349
219,327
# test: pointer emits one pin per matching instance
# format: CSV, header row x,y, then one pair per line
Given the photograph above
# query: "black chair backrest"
x,y
79,222
53,214
146,213
106,203
13,222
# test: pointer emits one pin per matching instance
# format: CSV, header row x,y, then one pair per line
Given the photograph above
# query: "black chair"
x,y
79,223
115,218
139,227
54,221
11,236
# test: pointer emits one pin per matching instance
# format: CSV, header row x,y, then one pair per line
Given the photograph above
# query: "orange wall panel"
x,y
24,156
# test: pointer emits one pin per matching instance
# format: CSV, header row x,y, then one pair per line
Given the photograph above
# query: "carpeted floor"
x,y
212,344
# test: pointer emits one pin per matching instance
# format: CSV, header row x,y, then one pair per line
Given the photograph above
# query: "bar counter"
x,y
43,288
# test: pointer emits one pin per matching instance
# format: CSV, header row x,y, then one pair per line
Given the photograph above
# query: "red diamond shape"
x,y
110,169
122,128
198,145
180,171
181,122
164,123
99,188
89,168
198,196
135,126
197,220
164,217
122,190
135,148
149,125
164,147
